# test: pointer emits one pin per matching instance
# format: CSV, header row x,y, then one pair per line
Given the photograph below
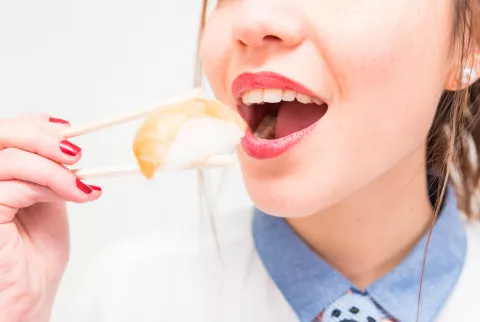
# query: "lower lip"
x,y
267,149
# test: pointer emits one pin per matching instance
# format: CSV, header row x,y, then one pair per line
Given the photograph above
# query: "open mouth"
x,y
275,113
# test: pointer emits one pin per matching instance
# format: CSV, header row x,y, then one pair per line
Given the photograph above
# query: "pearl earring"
x,y
469,76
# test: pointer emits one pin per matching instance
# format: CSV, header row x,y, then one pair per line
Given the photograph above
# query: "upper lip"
x,y
267,80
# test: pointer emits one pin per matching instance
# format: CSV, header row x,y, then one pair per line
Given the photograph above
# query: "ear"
x,y
460,77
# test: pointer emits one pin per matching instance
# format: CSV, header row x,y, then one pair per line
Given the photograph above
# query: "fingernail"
x,y
69,148
83,187
60,121
96,188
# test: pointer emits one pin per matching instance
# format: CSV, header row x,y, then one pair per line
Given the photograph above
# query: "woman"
x,y
356,109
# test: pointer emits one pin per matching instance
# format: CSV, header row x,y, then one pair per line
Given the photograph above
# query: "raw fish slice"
x,y
186,134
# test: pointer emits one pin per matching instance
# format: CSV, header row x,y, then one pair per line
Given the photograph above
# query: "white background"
x,y
90,59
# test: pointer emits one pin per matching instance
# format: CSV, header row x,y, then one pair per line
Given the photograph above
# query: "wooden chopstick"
x,y
123,170
216,161
104,124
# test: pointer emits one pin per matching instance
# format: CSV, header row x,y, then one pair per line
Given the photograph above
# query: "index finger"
x,y
39,134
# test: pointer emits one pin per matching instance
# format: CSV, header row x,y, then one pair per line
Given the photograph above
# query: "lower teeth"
x,y
266,128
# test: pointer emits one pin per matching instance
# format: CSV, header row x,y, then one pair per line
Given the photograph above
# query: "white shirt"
x,y
192,281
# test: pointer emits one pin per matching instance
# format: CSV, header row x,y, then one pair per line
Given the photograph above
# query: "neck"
x,y
371,232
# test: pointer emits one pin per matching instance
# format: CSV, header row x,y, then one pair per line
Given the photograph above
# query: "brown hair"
x,y
455,135
454,139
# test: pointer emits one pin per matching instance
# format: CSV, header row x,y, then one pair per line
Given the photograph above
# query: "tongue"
x,y
294,116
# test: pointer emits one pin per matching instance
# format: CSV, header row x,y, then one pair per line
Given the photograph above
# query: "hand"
x,y
34,239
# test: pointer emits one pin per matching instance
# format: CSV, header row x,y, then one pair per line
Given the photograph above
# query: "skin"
x,y
363,167
34,187
367,153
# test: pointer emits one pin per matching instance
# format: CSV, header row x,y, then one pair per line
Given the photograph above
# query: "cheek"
x,y
214,52
391,71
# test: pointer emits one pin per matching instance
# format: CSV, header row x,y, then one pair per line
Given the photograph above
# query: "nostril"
x,y
259,42
271,38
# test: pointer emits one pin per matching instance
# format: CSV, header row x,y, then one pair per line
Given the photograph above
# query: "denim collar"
x,y
310,284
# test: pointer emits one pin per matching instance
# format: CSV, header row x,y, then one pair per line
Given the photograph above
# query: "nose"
x,y
260,22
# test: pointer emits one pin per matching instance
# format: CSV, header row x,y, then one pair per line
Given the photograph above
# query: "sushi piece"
x,y
186,134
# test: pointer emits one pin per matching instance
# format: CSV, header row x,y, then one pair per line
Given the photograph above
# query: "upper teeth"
x,y
258,96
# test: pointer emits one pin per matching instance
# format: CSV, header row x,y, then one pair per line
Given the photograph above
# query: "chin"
x,y
281,189
282,200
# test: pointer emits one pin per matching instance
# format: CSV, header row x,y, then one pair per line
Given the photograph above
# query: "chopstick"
x,y
104,124
130,169
222,160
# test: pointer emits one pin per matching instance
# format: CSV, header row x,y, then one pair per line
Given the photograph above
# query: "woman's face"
x,y
380,67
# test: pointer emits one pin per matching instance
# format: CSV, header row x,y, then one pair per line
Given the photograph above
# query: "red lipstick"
x,y
267,149
262,148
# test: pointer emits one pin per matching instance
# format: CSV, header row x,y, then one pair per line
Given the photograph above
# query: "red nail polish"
x,y
60,121
96,188
83,187
69,148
